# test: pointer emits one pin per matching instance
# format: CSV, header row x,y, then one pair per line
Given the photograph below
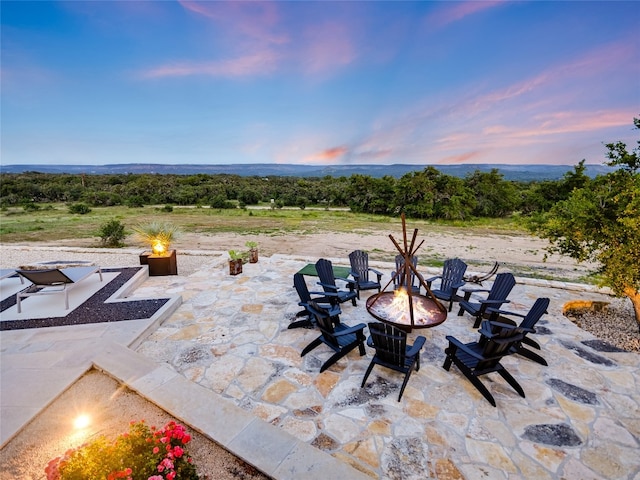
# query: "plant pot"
x,y
235,266
253,255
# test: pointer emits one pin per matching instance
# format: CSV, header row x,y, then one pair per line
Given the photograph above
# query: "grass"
x,y
56,223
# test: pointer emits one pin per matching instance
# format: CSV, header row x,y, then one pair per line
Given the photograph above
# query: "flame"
x,y
398,309
159,247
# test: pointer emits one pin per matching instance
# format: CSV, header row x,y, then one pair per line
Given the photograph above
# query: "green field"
x,y
54,222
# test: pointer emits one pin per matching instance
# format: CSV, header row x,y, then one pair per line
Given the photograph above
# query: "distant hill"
x,y
510,172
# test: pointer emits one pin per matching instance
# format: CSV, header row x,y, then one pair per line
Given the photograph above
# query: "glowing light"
x,y
159,247
81,421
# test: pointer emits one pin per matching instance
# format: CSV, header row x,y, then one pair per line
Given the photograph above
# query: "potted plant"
x,y
253,251
235,262
158,235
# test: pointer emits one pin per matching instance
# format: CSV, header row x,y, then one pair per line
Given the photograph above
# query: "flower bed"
x,y
143,453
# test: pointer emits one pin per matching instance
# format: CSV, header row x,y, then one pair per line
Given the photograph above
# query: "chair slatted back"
x,y
301,287
324,268
501,287
325,323
390,343
452,273
399,279
498,346
359,261
538,309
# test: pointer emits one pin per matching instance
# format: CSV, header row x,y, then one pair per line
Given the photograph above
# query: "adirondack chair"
x,y
324,268
360,271
339,337
497,295
393,352
479,358
328,302
538,309
451,280
399,280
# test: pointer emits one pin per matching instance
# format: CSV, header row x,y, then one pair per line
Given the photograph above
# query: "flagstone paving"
x,y
580,418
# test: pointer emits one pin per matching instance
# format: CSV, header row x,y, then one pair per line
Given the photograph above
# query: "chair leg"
x,y
366,375
481,388
450,351
512,381
531,343
334,358
311,346
406,380
532,356
478,321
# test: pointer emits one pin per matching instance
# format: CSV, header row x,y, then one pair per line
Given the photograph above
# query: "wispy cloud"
x,y
259,41
450,12
258,63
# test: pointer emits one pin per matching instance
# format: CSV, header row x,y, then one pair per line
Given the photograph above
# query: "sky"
x,y
317,83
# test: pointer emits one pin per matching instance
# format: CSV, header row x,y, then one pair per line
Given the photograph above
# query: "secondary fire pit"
x,y
403,308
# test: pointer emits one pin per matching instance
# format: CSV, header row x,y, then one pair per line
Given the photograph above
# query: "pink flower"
x,y
156,449
171,475
177,451
156,477
186,438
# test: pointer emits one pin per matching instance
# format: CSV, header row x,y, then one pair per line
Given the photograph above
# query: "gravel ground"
x,y
616,324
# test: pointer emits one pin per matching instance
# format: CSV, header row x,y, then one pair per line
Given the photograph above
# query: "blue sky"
x,y
425,83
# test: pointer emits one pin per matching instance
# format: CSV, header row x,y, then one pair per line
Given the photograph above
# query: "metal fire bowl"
x,y
378,304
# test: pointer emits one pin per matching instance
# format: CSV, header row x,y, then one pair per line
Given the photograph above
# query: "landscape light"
x,y
81,421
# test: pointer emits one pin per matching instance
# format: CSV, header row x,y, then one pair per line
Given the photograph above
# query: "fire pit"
x,y
403,308
394,308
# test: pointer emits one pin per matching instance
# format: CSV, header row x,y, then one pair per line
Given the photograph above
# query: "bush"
x,y
167,208
79,208
142,453
112,234
31,207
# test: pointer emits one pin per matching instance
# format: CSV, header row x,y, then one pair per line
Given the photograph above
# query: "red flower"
x,y
177,451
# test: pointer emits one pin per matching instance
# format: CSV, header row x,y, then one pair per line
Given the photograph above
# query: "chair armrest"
x,y
505,312
377,272
455,286
354,275
347,280
370,342
326,285
350,330
467,292
326,294
432,279
416,347
494,302
462,346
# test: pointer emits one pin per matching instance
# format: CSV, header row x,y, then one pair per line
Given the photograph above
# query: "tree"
x,y
601,222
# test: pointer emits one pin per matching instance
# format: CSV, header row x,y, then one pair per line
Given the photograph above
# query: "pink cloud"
x,y
326,46
258,63
450,12
328,155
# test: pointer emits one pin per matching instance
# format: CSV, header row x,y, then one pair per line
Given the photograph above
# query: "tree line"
x,y
426,194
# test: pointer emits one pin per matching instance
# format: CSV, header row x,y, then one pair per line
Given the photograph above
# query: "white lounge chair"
x,y
53,281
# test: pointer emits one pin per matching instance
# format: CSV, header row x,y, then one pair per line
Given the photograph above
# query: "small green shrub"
x,y
31,207
112,234
79,208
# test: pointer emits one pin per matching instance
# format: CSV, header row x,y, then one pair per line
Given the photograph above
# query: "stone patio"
x,y
580,418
